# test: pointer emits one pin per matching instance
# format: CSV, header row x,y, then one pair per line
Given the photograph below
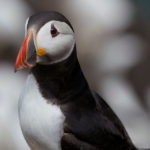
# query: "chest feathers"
x,y
41,122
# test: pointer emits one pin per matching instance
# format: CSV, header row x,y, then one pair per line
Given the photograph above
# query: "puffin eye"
x,y
54,32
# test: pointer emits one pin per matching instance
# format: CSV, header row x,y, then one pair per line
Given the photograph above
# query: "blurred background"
x,y
113,45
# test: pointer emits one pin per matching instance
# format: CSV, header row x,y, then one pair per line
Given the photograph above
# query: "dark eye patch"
x,y
54,32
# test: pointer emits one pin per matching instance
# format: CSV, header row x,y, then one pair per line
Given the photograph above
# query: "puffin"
x,y
57,109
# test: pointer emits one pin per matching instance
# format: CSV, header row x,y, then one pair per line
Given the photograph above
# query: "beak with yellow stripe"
x,y
28,52
49,40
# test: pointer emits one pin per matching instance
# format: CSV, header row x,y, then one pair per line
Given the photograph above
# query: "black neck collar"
x,y
61,82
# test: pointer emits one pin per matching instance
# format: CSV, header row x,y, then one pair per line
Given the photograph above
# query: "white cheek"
x,y
43,39
56,44
59,47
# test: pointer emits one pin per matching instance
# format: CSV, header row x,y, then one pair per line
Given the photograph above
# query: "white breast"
x,y
41,122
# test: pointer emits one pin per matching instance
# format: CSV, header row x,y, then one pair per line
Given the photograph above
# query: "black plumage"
x,y
90,123
39,19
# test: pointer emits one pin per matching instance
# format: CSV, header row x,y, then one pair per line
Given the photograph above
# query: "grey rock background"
x,y
113,43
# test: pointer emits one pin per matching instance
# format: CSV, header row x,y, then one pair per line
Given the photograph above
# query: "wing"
x,y
93,125
115,126
70,142
112,125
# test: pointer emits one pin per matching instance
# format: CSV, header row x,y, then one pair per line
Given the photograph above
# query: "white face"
x,y
57,38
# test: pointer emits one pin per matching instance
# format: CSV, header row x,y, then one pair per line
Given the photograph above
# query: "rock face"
x,y
104,67
11,137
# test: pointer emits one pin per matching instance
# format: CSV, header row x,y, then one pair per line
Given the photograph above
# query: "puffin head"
x,y
49,39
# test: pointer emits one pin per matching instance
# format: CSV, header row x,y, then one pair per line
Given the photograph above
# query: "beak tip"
x,y
27,54
15,69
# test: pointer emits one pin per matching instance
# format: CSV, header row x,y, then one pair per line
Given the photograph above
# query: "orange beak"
x,y
27,54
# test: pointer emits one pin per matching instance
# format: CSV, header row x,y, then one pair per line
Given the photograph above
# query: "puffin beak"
x,y
27,54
